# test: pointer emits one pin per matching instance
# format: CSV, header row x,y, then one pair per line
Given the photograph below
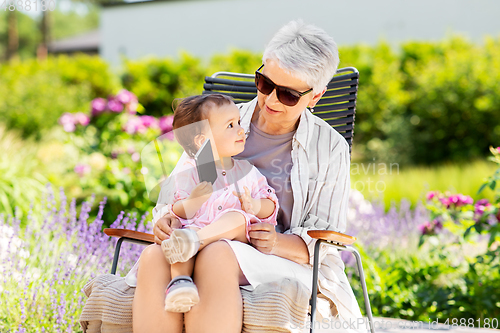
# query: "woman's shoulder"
x,y
323,132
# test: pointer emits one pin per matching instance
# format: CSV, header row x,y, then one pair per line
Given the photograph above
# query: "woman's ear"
x,y
199,139
316,98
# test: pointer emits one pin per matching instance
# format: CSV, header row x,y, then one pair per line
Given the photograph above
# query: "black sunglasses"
x,y
287,96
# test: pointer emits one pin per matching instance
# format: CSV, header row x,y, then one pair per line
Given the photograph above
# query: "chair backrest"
x,y
337,106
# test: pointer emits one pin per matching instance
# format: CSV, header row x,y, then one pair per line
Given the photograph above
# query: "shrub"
x,y
21,180
37,93
112,157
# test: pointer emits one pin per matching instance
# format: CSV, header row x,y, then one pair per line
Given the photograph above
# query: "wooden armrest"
x,y
130,234
332,236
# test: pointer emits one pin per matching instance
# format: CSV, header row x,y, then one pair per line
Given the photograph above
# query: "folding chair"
x,y
337,107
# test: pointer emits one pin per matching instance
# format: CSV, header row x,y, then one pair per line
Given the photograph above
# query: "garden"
x,y
425,175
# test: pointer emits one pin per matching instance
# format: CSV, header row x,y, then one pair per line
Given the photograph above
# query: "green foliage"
x,y
157,82
112,158
20,179
429,102
453,94
435,282
38,93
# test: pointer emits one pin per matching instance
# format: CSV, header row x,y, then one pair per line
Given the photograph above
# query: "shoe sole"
x,y
173,248
181,300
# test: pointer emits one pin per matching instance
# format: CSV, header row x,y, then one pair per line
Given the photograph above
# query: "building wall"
x,y
205,27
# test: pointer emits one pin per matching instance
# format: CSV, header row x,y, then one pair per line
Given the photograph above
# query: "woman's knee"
x,y
152,254
217,254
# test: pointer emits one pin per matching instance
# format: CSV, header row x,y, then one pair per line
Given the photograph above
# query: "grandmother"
x,y
305,161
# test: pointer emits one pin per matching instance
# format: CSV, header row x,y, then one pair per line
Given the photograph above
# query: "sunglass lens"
x,y
263,84
286,97
266,86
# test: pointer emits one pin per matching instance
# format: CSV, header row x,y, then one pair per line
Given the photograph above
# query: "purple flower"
x,y
166,123
82,169
115,105
98,106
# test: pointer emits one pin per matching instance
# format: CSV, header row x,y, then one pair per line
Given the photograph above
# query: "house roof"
x,y
85,42
113,3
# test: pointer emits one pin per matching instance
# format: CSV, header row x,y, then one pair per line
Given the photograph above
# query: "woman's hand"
x,y
263,237
164,226
248,204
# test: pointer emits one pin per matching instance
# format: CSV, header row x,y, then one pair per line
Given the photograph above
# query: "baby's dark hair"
x,y
191,111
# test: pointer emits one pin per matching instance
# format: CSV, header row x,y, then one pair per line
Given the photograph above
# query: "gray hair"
x,y
306,52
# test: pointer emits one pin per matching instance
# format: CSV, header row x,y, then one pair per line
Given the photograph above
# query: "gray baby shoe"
x,y
181,294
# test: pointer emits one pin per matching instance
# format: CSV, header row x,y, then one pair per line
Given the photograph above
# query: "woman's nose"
x,y
272,98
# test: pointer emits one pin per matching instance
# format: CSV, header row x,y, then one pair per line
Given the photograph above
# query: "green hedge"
x,y
35,94
424,103
428,102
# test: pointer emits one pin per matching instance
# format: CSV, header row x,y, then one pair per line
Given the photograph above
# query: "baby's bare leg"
x,y
182,268
231,225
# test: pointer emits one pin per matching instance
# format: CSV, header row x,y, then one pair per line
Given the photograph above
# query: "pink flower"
x,y
430,195
115,105
445,201
124,96
67,122
98,106
169,136
82,169
498,150
136,157
430,228
132,106
81,118
480,207
134,125
166,123
149,121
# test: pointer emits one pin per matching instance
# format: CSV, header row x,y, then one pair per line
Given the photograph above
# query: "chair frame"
x,y
345,112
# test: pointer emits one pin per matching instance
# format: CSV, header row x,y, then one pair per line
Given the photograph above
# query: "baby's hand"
x,y
248,204
202,191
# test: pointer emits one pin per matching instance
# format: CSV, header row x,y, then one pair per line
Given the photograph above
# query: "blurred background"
x,y
86,85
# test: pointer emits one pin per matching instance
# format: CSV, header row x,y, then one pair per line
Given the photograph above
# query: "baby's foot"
x,y
182,245
181,294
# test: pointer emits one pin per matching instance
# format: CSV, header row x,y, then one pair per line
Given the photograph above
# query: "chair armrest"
x,y
130,234
330,235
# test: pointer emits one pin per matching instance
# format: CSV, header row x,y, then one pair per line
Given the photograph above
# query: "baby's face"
x,y
228,135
